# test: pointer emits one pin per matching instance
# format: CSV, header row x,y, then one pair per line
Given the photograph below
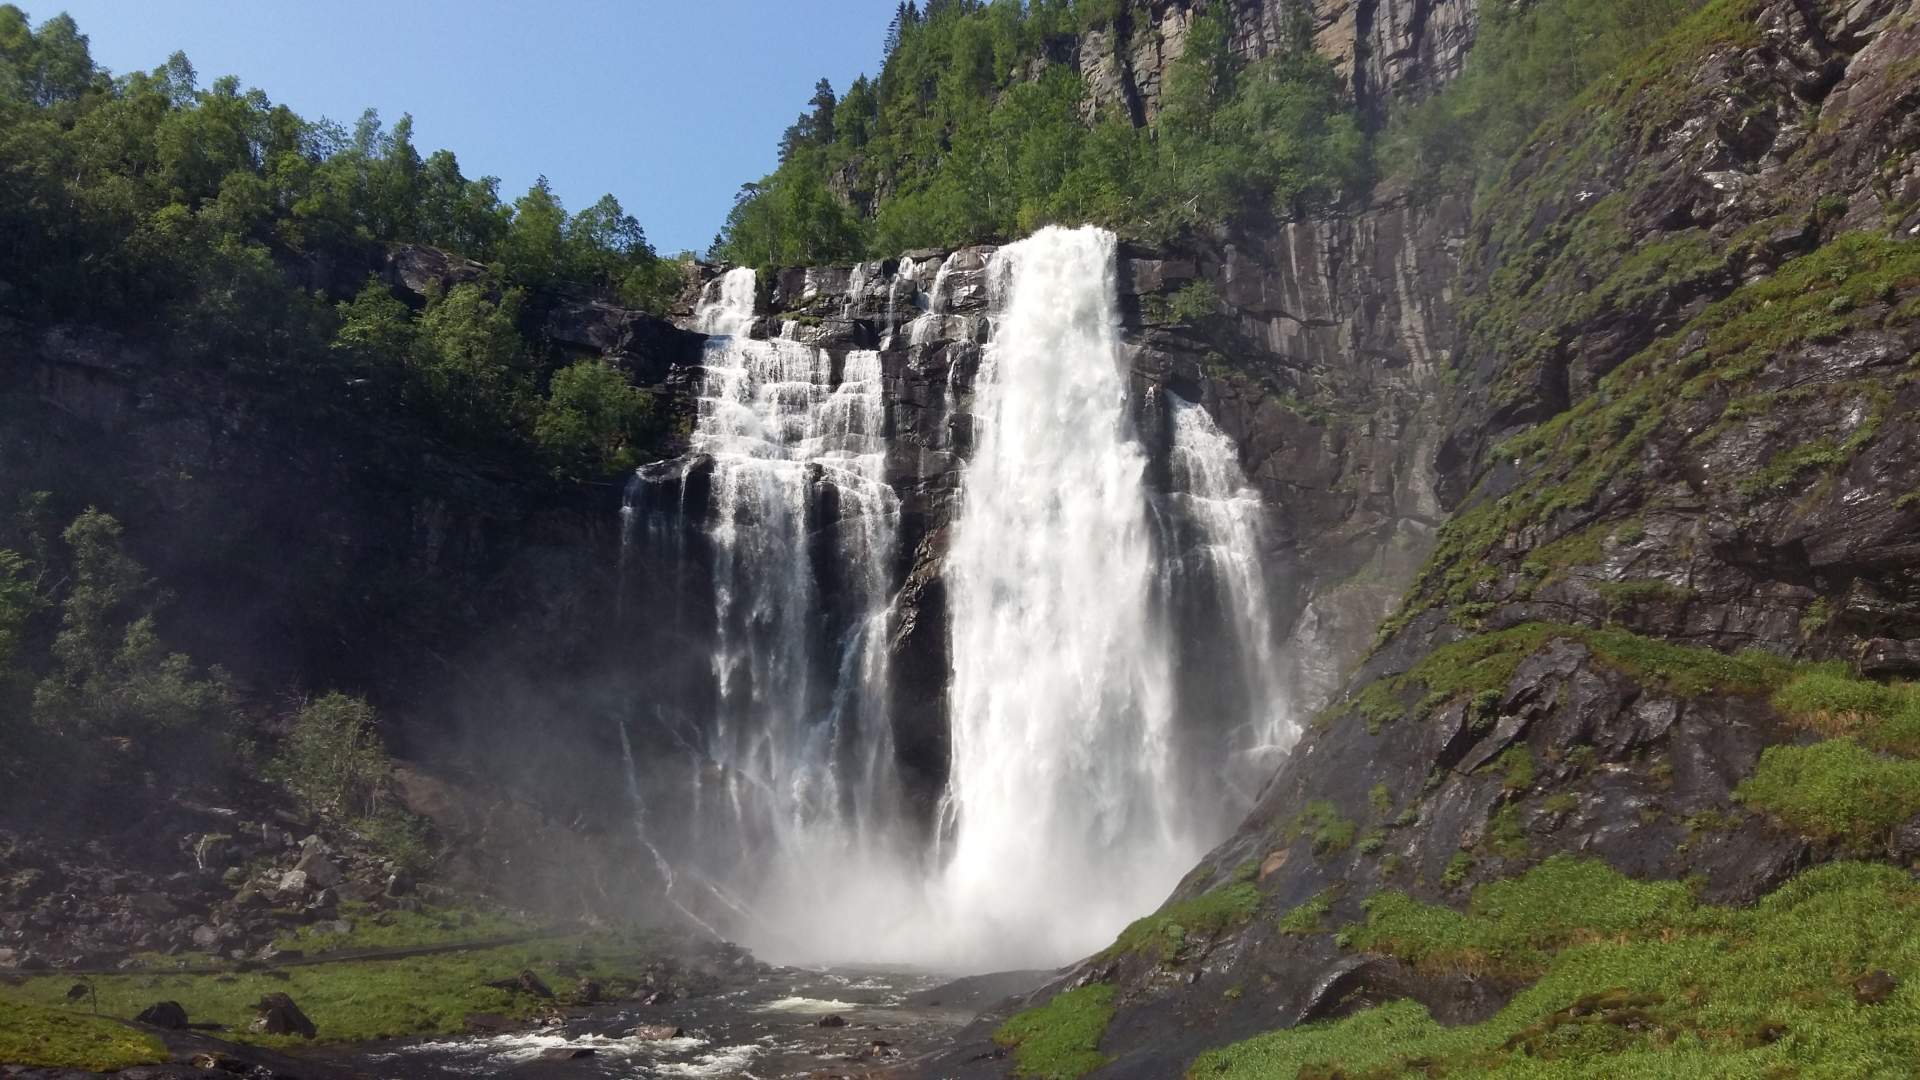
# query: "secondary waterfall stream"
x,y
1112,702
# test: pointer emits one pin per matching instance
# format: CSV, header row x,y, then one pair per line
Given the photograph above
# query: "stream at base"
x,y
768,1030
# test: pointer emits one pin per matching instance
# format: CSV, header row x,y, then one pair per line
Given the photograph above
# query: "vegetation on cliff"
x,y
208,219
1634,979
976,130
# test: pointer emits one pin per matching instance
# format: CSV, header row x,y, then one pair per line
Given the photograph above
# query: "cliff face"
x,y
1392,50
1671,425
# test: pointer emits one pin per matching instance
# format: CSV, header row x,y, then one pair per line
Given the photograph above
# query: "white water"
x,y
1081,784
796,786
1227,519
1066,820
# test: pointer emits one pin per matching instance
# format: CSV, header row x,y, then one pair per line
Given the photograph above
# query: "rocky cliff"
x,y
1392,50
1669,439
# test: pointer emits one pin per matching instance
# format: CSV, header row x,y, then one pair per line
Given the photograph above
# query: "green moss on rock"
x,y
1061,1039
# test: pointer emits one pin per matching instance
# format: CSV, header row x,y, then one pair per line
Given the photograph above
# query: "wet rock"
x,y
164,1014
486,1023
568,1053
278,1015
832,1020
656,1032
588,992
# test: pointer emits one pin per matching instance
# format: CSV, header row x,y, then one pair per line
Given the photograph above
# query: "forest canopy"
x,y
975,130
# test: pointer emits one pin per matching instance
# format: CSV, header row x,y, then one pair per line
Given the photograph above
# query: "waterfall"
x,y
793,776
1115,699
1223,579
1067,821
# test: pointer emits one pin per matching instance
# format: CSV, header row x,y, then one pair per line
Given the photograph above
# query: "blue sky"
x,y
668,104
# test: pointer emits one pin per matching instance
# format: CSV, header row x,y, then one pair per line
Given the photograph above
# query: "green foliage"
x,y
153,205
1512,927
1457,870
112,676
50,1038
333,759
1528,62
1380,799
428,926
1194,302
335,765
1310,915
1161,934
1835,789
1321,821
1061,1039
1516,769
972,134
1830,699
1482,666
1639,980
469,362
360,1001
1585,451
594,422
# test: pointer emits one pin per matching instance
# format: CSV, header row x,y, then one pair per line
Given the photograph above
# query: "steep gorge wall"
x,y
1673,426
1392,50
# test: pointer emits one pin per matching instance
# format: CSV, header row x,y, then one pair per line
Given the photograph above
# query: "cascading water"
x,y
791,778
1114,695
1220,529
1066,821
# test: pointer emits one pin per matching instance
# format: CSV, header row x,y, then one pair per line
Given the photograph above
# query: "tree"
x,y
112,676
469,362
534,250
333,759
593,420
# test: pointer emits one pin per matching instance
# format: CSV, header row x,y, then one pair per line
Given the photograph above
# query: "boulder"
x,y
568,1053
164,1014
292,885
832,1020
320,870
587,992
657,1032
278,1015
1885,658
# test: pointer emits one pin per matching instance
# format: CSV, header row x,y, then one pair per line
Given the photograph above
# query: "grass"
x,y
1320,820
1510,927
1309,917
355,1001
1640,980
404,929
1831,700
1835,789
1162,933
68,1039
1061,1039
1483,665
